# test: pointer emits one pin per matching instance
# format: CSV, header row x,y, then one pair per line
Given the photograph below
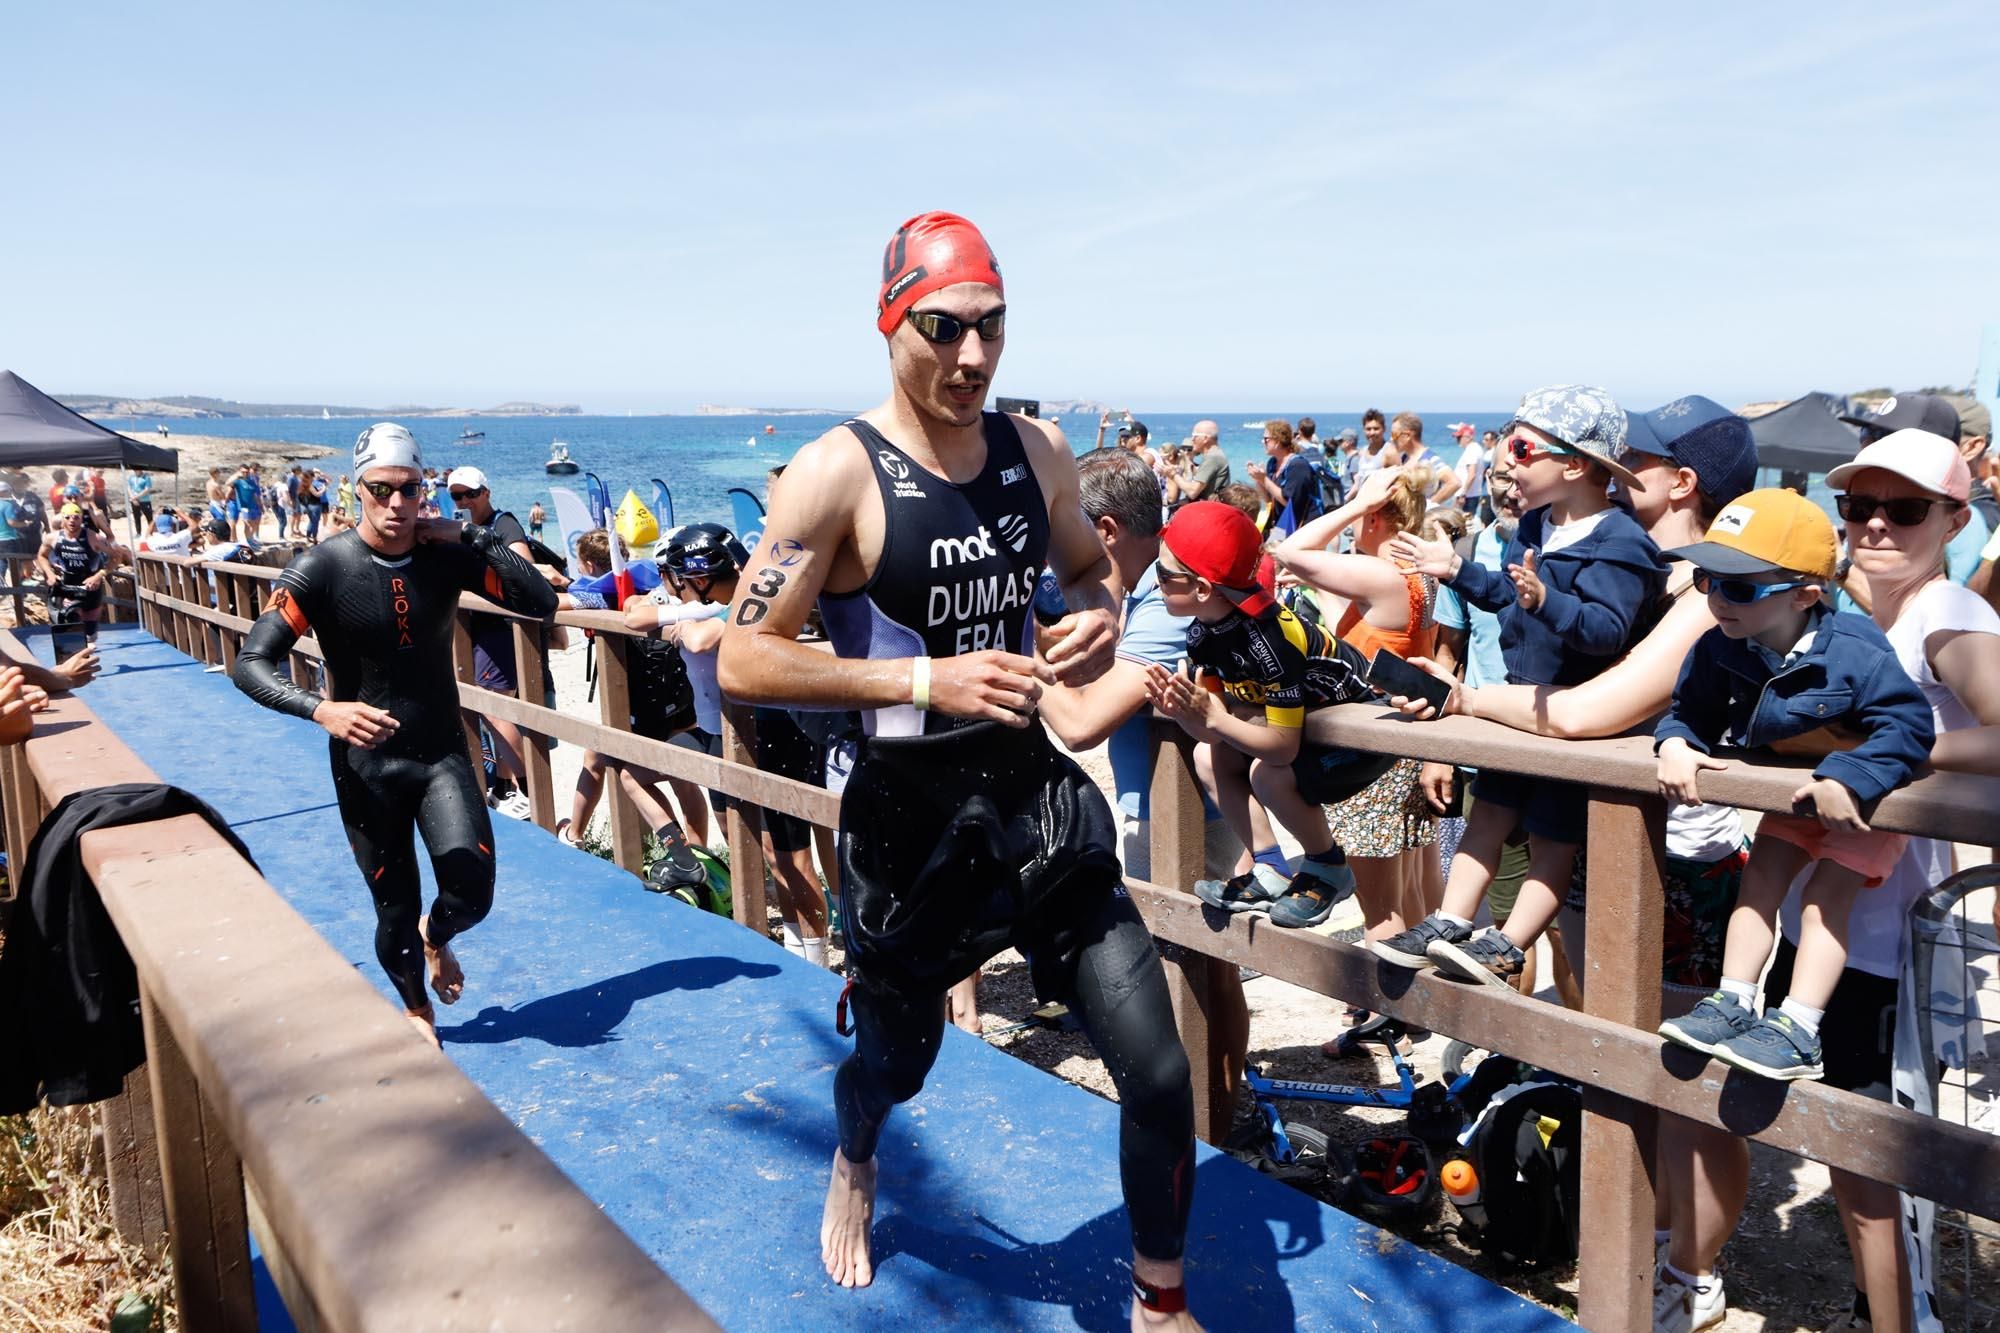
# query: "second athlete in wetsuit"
x,y
382,598
921,527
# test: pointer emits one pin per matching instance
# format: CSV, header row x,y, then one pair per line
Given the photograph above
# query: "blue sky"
x,y
632,207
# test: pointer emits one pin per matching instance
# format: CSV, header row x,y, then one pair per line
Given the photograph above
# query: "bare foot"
x,y
447,977
425,1021
843,1228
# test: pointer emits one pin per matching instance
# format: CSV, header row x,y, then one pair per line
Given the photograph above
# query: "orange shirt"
x,y
1417,639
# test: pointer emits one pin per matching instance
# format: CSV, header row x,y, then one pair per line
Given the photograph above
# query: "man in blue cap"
x,y
1692,446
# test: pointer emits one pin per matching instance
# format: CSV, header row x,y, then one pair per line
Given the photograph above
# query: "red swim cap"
x,y
930,251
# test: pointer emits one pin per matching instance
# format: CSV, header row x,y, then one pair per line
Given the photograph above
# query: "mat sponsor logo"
x,y
947,551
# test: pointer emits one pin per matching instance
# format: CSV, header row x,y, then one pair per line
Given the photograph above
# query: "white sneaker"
x,y
1680,1308
515,805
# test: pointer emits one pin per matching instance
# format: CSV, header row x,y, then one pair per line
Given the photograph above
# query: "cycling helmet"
x,y
701,551
1390,1180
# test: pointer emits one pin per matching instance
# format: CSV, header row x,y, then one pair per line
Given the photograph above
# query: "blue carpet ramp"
x,y
680,1070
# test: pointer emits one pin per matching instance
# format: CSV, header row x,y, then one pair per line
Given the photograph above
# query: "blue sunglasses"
x,y
1741,592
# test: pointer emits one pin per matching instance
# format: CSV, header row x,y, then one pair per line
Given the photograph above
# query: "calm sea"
x,y
699,458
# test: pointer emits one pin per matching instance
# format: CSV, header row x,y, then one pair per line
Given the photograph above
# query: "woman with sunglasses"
x,y
382,600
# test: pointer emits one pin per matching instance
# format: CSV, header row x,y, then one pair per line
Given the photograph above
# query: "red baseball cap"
x,y
1217,542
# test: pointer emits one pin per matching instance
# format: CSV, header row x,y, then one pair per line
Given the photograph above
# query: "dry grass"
x,y
62,1267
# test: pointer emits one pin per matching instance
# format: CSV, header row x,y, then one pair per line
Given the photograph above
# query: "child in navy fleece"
x,y
1581,580
1781,669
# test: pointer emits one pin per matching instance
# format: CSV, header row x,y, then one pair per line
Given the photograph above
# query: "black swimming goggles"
x,y
943,329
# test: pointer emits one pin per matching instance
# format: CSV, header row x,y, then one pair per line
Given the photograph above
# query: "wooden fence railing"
x,y
281,1096
1630,1075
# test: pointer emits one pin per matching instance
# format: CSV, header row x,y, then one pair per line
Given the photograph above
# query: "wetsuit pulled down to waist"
x,y
957,845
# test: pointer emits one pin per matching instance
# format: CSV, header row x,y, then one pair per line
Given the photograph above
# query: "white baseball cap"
x,y
1918,456
469,477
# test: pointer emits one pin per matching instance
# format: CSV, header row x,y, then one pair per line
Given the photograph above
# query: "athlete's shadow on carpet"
x,y
590,1015
1233,1256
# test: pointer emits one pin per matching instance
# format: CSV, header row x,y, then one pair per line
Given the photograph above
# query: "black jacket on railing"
x,y
67,984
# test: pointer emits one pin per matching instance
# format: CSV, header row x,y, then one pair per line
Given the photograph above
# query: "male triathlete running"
x,y
921,527
381,598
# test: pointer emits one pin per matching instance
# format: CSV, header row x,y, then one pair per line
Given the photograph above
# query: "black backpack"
x,y
662,694
1527,1151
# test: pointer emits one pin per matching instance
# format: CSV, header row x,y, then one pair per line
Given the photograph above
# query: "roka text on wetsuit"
x,y
959,839
385,626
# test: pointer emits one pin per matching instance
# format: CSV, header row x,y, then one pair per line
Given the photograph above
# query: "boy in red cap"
x,y
1781,669
1262,669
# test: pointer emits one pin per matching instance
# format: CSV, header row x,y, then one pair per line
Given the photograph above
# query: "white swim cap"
x,y
385,444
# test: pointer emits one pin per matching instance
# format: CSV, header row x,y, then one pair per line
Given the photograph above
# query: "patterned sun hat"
x,y
1585,418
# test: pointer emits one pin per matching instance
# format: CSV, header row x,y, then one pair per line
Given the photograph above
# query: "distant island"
x,y
714,410
184,405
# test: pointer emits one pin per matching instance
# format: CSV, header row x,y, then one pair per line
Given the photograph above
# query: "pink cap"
x,y
1918,456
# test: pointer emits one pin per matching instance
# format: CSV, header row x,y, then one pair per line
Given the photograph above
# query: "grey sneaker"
x,y
1487,958
1311,898
1714,1020
1254,891
1776,1047
1408,949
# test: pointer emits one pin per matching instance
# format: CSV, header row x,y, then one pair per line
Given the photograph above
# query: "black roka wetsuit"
x,y
385,626
959,839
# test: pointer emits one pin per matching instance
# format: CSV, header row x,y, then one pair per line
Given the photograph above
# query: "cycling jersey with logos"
x,y
385,626
1279,662
958,567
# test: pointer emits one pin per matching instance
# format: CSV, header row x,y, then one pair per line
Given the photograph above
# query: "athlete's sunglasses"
x,y
382,490
943,329
1739,592
1905,511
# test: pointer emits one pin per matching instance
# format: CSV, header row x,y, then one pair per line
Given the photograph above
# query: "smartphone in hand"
x,y
1392,675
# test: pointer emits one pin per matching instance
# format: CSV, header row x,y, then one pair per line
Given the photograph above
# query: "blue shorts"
x,y
231,512
1556,811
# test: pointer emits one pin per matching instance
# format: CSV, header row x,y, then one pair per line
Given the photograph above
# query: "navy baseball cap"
x,y
1702,435
1906,411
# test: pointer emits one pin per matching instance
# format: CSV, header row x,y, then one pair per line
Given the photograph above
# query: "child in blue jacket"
x,y
1783,670
1582,581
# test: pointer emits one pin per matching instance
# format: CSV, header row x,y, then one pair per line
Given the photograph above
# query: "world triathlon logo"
x,y
893,465
787,552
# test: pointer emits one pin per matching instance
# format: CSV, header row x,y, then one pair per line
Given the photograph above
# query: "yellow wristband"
x,y
920,683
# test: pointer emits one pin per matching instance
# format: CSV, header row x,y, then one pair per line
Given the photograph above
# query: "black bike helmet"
x,y
705,551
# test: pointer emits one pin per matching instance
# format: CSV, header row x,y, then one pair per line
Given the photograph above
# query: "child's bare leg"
x,y
1379,888
1478,857
1772,867
1542,891
1231,768
1277,787
1824,904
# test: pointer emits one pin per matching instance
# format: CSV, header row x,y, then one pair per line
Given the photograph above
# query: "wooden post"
x,y
530,687
614,702
209,1235
1176,820
132,1164
746,852
1621,982
225,601
461,660
16,571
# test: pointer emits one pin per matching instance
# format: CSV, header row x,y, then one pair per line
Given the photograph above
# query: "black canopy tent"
x,y
35,430
1806,435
